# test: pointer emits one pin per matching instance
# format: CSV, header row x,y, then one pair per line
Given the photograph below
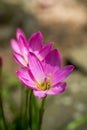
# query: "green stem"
x,y
41,112
22,108
30,109
1,103
26,108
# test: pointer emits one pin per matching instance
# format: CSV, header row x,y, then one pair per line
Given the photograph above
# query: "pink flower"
x,y
35,45
46,77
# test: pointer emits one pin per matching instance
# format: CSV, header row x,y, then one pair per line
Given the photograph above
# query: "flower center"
x,y
44,85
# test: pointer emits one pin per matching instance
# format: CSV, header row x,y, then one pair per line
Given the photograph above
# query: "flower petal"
x,y
57,89
35,42
15,46
23,47
44,51
61,74
39,94
36,68
52,62
25,77
54,58
19,33
19,59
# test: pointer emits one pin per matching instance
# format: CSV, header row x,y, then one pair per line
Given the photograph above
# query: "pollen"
x,y
44,85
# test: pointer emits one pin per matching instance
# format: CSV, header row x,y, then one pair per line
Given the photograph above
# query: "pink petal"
x,y
35,42
57,89
54,58
61,74
36,68
48,70
23,45
25,77
15,46
23,48
44,51
39,94
19,33
20,60
52,62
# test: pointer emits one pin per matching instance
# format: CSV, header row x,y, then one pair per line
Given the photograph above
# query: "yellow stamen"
x,y
43,86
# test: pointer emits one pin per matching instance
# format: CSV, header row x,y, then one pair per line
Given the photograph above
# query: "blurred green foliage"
x,y
19,122
75,123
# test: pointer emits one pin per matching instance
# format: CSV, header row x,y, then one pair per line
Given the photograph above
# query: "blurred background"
x,y
65,23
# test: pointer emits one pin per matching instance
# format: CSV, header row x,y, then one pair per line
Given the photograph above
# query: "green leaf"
x,y
76,123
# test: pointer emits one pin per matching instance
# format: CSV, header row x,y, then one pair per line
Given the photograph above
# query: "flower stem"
x,y
22,108
26,108
30,109
1,103
41,112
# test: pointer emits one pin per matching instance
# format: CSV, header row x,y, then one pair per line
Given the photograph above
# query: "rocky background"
x,y
65,23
